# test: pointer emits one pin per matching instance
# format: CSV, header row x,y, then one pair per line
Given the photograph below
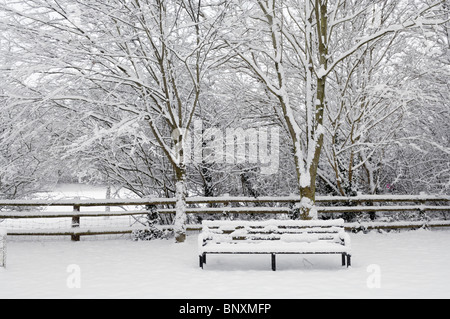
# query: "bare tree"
x,y
134,67
293,48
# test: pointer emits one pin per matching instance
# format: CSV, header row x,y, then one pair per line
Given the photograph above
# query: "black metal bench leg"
x,y
274,266
343,259
201,261
349,260
204,259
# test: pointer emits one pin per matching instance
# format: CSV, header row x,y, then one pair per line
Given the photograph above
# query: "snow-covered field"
x,y
409,264
395,265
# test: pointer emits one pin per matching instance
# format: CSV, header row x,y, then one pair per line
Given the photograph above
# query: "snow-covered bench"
x,y
3,235
274,237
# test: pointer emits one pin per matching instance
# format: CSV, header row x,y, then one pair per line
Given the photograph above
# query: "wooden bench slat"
x,y
282,223
273,247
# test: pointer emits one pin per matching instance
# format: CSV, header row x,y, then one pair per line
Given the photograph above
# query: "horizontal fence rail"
x,y
221,206
225,200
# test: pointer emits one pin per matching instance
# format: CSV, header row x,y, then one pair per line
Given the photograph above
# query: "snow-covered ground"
x,y
409,264
395,265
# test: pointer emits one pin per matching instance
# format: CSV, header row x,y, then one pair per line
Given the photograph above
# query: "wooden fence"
x,y
225,207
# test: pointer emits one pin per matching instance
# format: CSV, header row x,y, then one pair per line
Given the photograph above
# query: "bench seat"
x,y
276,248
274,237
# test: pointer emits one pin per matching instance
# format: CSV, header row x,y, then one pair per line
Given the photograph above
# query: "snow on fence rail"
x,y
198,205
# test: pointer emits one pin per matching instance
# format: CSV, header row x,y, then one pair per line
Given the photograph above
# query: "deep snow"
x,y
410,265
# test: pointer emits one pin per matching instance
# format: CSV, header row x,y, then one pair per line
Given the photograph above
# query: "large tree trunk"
x,y
315,106
180,206
179,166
306,210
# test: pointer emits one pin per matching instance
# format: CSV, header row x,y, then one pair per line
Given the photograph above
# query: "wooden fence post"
x,y
76,220
3,235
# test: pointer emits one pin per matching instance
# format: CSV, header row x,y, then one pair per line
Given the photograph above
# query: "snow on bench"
x,y
3,235
274,237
